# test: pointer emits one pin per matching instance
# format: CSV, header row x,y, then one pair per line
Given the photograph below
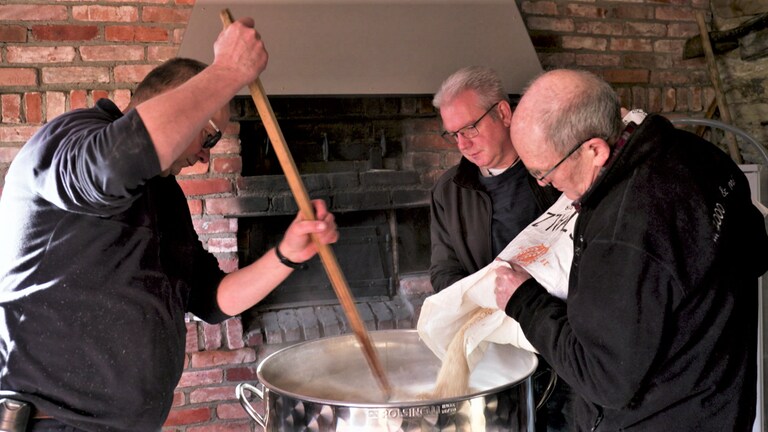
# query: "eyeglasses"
x,y
573,150
211,140
469,131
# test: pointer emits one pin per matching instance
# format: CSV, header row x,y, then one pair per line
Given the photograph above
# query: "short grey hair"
x,y
484,81
592,111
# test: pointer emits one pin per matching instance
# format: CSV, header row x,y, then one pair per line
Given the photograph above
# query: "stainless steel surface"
x,y
325,385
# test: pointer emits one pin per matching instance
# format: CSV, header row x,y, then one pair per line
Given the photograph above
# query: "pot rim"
x,y
397,404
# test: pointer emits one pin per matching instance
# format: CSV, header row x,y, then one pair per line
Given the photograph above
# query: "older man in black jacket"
x,y
659,332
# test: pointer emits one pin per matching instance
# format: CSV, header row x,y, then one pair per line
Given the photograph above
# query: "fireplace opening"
x,y
374,250
352,152
333,134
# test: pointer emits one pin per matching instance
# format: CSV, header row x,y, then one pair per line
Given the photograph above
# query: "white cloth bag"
x,y
544,249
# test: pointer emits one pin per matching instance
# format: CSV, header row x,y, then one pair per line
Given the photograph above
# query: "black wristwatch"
x,y
286,262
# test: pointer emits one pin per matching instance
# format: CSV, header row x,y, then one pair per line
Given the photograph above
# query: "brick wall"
x,y
60,55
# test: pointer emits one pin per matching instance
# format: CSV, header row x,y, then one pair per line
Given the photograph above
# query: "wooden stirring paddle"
x,y
327,256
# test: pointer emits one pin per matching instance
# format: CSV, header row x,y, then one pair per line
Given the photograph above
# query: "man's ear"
x,y
506,113
600,151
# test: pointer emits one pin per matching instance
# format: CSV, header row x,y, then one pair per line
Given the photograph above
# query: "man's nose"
x,y
204,155
463,142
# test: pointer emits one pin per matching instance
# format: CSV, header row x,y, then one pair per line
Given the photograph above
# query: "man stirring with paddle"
x,y
100,261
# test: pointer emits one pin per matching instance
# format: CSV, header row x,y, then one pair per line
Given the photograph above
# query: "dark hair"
x,y
168,75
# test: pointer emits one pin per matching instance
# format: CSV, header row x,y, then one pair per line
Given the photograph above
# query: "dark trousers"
x,y
555,415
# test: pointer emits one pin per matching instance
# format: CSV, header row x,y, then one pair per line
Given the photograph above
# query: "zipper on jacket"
x,y
598,419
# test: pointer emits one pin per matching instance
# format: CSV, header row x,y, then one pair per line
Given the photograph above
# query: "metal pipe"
x,y
721,125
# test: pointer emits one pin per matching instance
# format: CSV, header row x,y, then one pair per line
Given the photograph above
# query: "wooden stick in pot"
x,y
327,256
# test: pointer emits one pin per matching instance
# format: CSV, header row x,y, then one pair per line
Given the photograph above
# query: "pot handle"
x,y
240,392
549,390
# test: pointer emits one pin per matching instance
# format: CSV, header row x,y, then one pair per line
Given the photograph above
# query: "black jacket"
x,y
461,223
660,328
99,264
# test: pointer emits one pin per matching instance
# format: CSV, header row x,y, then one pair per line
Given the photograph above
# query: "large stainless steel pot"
x,y
327,385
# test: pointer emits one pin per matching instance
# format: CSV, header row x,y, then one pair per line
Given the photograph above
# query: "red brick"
x,y
632,12
233,329
201,377
178,399
135,34
78,99
165,15
235,410
121,98
64,33
13,33
105,13
132,73
33,107
584,42
75,74
227,144
112,53
586,11
227,165
241,374
215,226
668,101
654,100
604,60
188,416
11,107
207,359
539,7
211,394
626,75
32,54
161,53
7,154
600,28
99,94
551,24
682,30
228,263
192,337
11,77
675,14
205,186
645,29
670,46
211,336
195,206
682,99
242,426
17,134
557,60
219,244
33,13
631,44
55,104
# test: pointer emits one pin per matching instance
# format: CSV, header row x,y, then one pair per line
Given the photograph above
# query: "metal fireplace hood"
x,y
373,47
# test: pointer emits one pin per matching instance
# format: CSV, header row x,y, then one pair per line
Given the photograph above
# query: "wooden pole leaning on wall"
x,y
714,75
338,281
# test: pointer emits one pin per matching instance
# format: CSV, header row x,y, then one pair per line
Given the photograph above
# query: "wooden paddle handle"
x,y
327,256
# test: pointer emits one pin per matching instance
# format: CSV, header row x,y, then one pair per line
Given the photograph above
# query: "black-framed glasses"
x,y
573,150
468,131
211,140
